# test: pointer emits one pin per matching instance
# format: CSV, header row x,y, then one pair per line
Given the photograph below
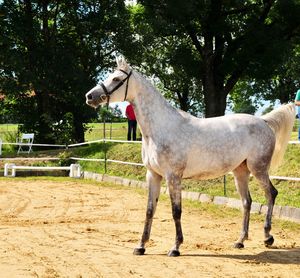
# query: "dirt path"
x,y
69,229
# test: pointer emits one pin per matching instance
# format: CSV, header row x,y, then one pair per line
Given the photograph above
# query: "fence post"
x,y
105,158
224,182
110,130
104,137
104,127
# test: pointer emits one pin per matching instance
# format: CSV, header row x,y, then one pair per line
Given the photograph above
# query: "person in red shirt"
x,y
131,123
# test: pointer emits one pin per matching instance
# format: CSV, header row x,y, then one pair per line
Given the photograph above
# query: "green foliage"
x,y
9,136
110,114
64,159
215,44
285,81
241,99
63,131
268,110
51,54
171,60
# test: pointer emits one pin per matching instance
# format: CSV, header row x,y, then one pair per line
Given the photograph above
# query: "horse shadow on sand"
x,y
272,256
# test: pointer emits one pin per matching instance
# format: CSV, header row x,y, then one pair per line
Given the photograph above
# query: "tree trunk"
x,y
183,99
213,86
215,102
78,129
43,129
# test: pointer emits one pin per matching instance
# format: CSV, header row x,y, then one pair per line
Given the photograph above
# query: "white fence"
x,y
75,170
105,160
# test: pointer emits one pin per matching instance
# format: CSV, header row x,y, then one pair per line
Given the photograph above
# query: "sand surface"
x,y
74,229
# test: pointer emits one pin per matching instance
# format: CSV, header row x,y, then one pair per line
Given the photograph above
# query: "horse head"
x,y
114,88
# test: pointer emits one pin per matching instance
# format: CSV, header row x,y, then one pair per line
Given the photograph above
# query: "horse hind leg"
x,y
270,194
241,177
154,183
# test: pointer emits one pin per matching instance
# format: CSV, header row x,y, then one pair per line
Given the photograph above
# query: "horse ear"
x,y
121,62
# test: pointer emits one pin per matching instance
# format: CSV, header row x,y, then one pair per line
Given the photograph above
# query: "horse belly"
x,y
205,175
209,167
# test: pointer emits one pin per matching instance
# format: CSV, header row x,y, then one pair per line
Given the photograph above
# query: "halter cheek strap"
x,y
104,89
108,94
126,90
127,78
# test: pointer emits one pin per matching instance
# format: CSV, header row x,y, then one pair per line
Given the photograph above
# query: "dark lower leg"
x,y
176,211
174,184
270,196
245,224
153,181
241,177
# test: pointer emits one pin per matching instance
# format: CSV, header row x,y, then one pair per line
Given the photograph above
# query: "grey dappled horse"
x,y
177,145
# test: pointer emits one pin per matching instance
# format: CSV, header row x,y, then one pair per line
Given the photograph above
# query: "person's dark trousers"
x,y
131,130
299,126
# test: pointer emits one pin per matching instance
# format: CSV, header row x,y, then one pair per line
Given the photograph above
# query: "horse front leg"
x,y
154,183
174,184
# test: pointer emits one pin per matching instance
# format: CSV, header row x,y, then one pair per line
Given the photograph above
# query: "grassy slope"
x,y
289,192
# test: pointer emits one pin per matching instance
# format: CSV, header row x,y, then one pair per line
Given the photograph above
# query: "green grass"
x,y
112,131
8,133
123,152
115,131
294,136
95,131
289,192
8,127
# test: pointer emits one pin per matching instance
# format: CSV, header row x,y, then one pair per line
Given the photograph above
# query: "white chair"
x,y
25,141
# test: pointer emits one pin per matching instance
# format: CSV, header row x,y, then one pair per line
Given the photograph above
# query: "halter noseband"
x,y
108,94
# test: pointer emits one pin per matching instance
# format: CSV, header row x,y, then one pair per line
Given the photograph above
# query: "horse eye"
x,y
116,79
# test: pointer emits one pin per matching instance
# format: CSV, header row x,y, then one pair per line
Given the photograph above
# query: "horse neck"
x,y
153,112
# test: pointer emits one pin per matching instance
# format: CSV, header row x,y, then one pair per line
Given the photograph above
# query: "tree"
x,y
52,53
268,110
110,114
243,98
117,113
285,81
231,40
168,61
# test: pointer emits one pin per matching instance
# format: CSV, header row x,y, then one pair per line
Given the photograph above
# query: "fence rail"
x,y
106,160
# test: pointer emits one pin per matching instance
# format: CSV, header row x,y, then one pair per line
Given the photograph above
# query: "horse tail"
x,y
281,121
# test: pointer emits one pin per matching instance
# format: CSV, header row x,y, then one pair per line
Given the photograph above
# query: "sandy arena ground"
x,y
73,229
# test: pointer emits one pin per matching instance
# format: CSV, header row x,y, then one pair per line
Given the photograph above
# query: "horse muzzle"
x,y
95,98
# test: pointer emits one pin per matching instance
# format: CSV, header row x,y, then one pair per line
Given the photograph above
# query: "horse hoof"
x,y
139,251
238,245
268,242
173,253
